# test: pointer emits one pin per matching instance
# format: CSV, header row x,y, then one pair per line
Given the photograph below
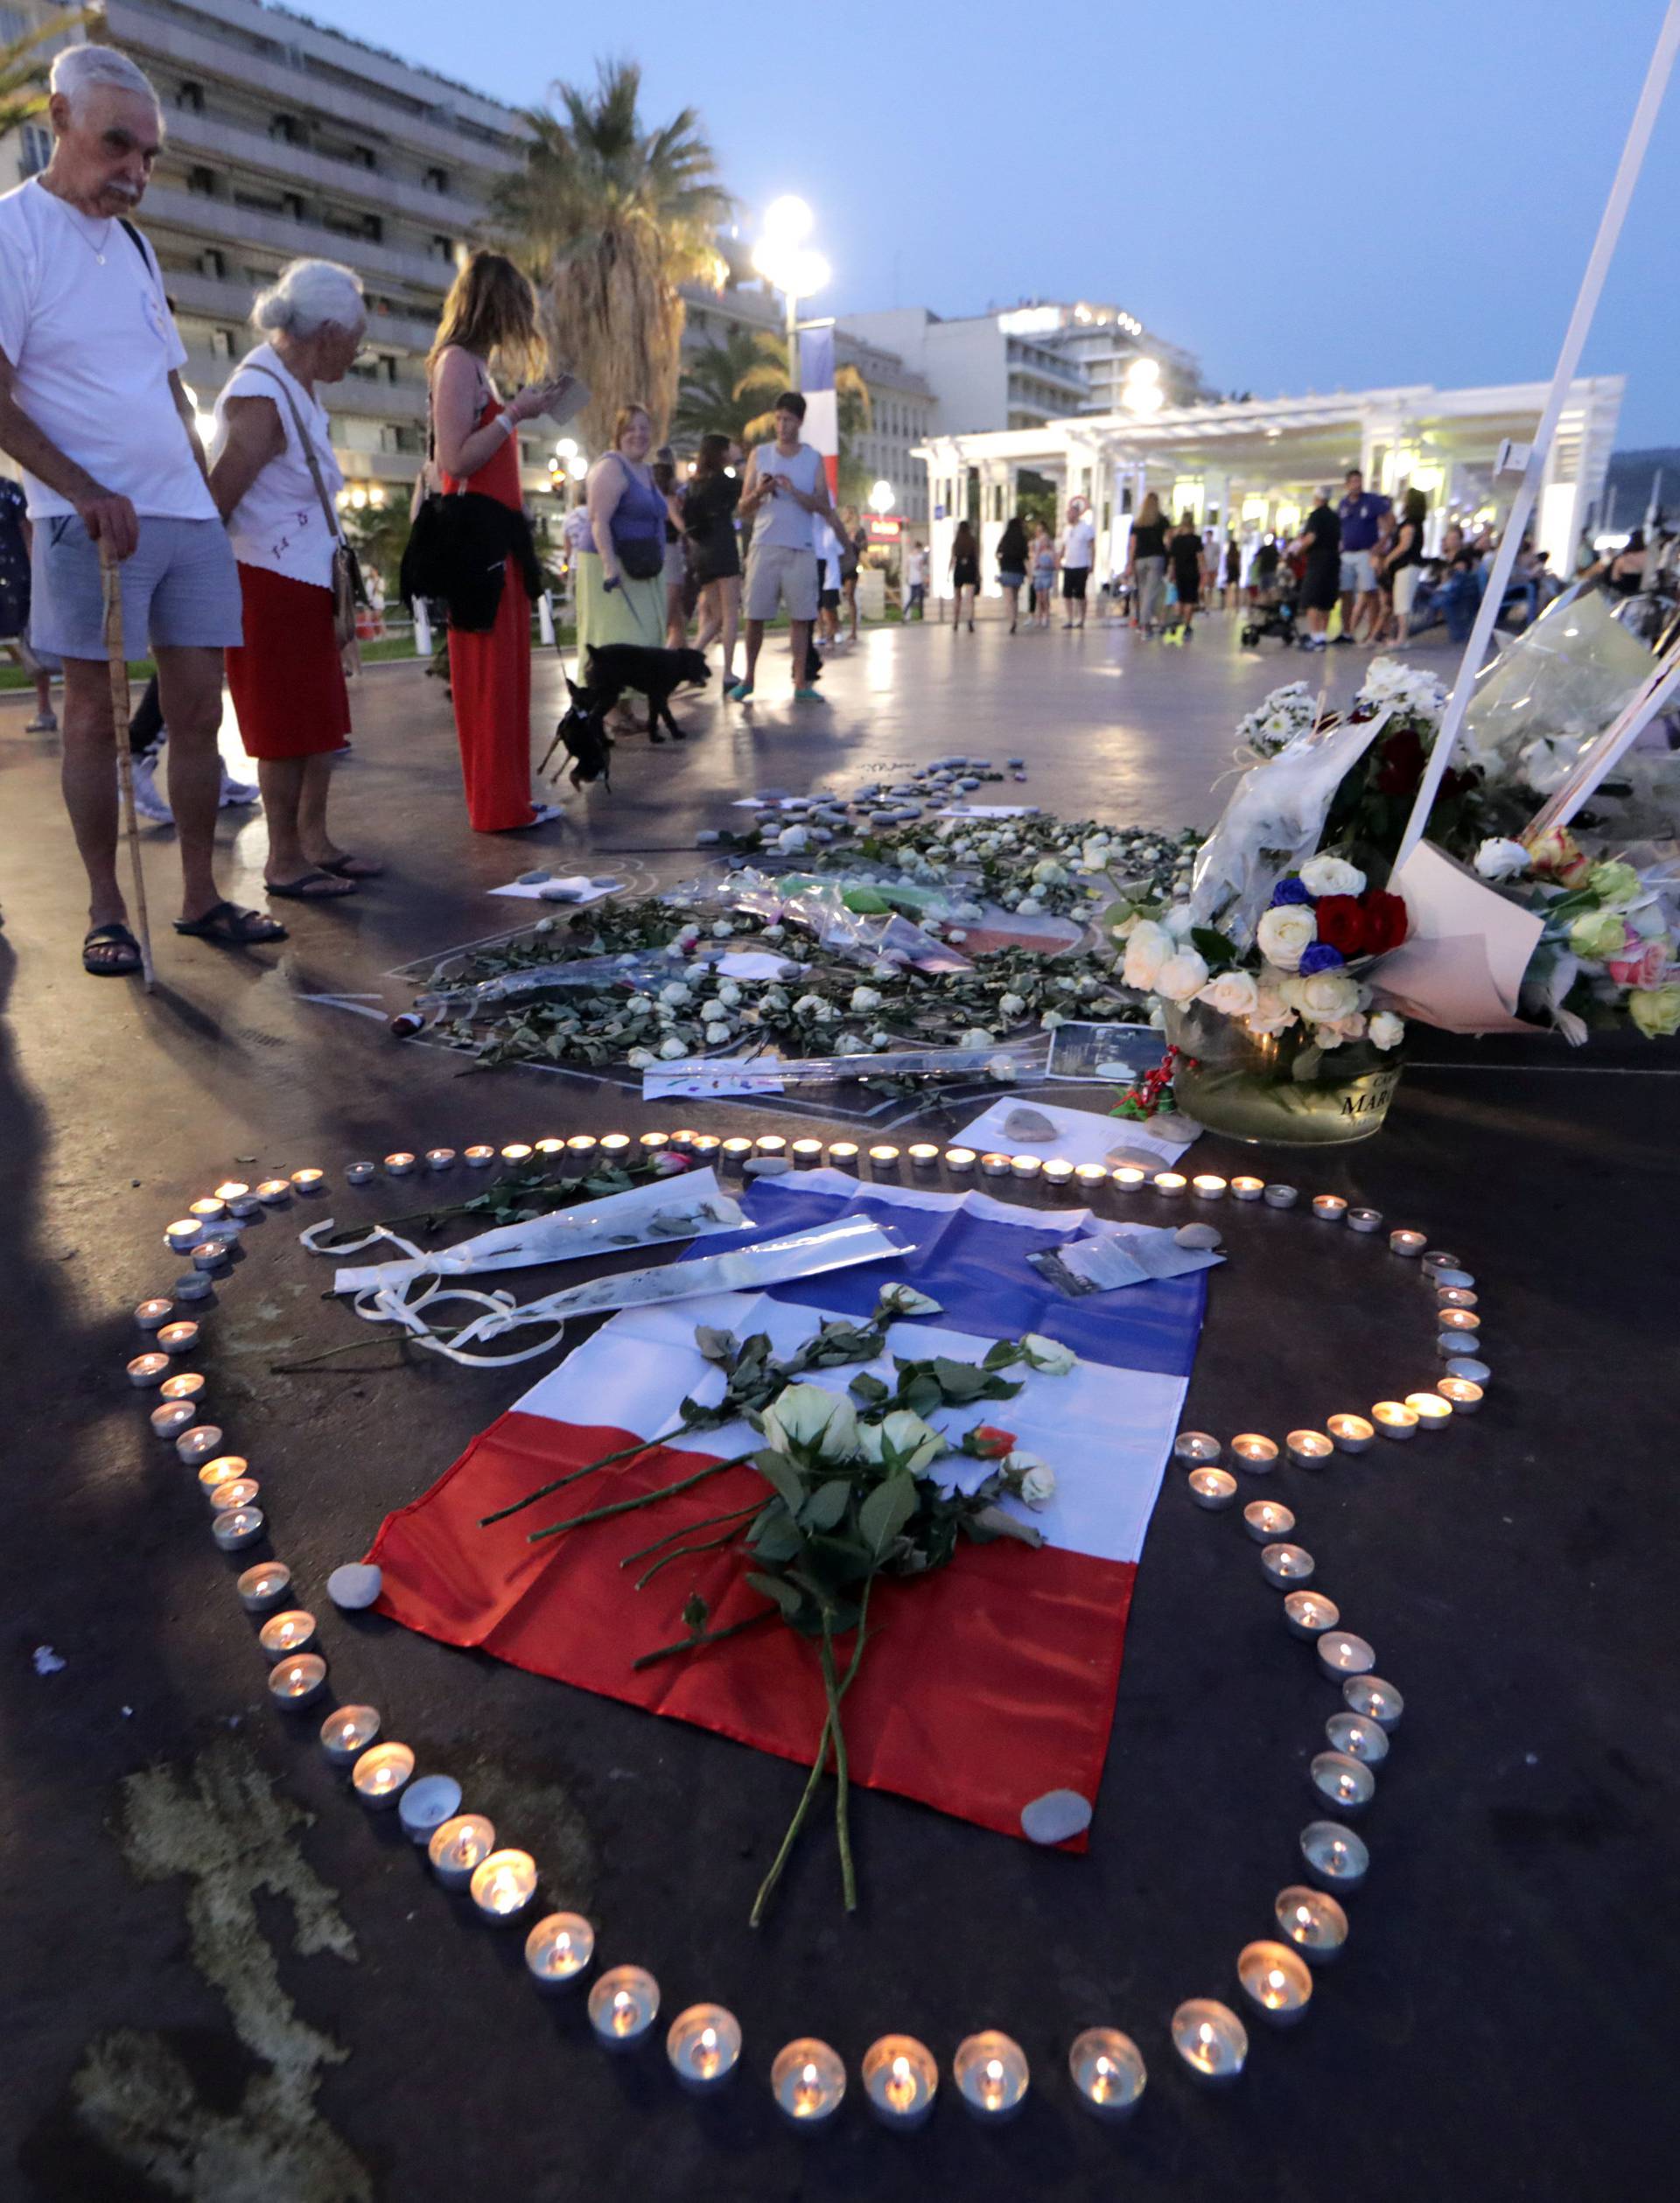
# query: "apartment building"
x,y
981,374
284,141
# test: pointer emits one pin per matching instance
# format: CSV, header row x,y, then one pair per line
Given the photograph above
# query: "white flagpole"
x,y
1633,156
1612,746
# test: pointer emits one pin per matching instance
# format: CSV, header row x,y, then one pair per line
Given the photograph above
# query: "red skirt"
x,y
286,680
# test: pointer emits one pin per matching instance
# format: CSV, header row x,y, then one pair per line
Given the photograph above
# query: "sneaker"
x,y
236,793
149,800
807,691
739,691
44,724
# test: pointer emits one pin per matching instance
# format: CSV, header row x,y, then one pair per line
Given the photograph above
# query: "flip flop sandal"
x,y
230,926
322,885
349,867
110,952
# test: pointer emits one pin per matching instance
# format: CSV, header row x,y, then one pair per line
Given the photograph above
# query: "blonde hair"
x,y
623,418
491,308
1149,511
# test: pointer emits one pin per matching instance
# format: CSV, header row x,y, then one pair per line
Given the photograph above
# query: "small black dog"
x,y
614,671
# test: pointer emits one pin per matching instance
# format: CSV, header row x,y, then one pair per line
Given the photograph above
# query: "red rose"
x,y
1385,922
1341,923
989,1443
1402,763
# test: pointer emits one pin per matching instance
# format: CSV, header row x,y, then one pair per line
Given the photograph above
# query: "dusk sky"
x,y
1324,194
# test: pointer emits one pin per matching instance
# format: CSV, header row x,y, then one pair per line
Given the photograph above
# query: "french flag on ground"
x,y
995,1679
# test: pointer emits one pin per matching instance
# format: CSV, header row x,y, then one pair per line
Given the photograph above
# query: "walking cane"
x,y
110,582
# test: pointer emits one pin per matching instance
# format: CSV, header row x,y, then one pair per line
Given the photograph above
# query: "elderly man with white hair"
x,y
275,483
93,409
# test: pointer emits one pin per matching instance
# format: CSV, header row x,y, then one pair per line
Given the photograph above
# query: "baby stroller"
x,y
1274,613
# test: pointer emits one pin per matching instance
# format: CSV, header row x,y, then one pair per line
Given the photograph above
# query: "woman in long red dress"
x,y
491,309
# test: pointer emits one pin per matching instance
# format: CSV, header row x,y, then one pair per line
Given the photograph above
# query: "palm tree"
x,y
23,65
611,218
724,385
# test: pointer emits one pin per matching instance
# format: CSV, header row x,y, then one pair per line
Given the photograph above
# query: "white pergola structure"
x,y
1253,465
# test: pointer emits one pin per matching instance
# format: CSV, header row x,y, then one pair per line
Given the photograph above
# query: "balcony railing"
x,y
219,221
256,150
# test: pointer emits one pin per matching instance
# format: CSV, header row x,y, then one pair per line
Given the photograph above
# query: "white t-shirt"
x,y
779,520
915,569
278,523
1079,543
85,324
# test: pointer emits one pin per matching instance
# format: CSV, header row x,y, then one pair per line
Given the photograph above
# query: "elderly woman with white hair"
x,y
276,481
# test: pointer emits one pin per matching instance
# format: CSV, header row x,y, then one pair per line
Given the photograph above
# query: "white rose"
x,y
916,1444
976,1037
729,994
723,928
1385,1030
1033,1480
1127,926
1283,933
809,1005
1010,1007
1178,921
1182,976
716,1035
673,1048
791,840
1234,994
639,1059
879,1038
884,971
1332,876
1047,1355
1051,1019
773,933
1148,948
1029,906
907,1300
864,998
810,1417
676,992
1328,996
1271,1014
1498,859
1049,873
1332,1035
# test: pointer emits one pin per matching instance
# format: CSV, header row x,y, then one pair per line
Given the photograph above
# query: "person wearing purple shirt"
x,y
1360,513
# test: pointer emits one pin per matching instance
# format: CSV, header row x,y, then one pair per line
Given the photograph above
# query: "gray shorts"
x,y
1358,573
779,574
180,589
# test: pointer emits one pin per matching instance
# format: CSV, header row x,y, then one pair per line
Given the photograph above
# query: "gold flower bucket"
x,y
1280,1089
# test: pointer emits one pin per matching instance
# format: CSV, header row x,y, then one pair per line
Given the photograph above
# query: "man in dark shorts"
x,y
1078,549
1321,540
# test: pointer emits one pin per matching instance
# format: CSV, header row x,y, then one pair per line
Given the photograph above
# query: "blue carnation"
x,y
1289,890
1319,956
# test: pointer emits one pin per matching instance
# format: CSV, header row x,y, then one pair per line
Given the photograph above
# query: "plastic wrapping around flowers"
x,y
1550,693
1013,1062
854,918
839,1246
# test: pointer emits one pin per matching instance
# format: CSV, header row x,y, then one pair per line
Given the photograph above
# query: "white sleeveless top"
x,y
278,523
781,521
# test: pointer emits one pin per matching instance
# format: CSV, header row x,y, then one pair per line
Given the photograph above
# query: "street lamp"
x,y
784,259
881,498
1142,393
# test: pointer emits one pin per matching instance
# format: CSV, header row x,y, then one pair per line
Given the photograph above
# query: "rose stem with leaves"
x,y
646,1499
835,1692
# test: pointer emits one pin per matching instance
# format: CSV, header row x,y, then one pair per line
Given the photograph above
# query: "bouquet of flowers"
x,y
1606,956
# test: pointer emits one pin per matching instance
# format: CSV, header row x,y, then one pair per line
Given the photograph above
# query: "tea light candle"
x,y
843,1155
1211,2040
425,1805
901,2080
704,2046
178,1338
1196,1448
1127,1176
174,1416
1364,1220
767,1142
1470,1366
1342,1781
559,1949
346,1733
1369,1697
1314,1922
807,1154
1309,1448
298,1681
1433,1413
1276,1980
1407,1243
651,1142
1107,2069
515,1152
152,1315
242,1492
193,1285
623,2005
456,1846
1464,1396
808,2080
1463,1320
1395,1419
549,1149
995,1165
309,1181
1256,1454
1266,1520
1207,1187
262,1588
146,1370
188,1385
580,1143
400,1165
238,1526
1248,1189
1059,1172
1278,1195
1287,1564
1334,1854
290,1631
1329,1208
503,1885
359,1173
185,1231
1438,1259
230,1190
1358,1736
210,1254
208,1209
1342,1653
1310,1614
1351,1433
198,1445
1171,1183
1453,1296
225,1468
440,1159
736,1153
1211,1487
613,1145
479,1156
1089,1175
924,1155
991,2073
379,1775
684,1136
1025,1165
960,1162
274,1193
883,1157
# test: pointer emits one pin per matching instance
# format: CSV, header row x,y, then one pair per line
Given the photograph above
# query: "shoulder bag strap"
x,y
303,438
